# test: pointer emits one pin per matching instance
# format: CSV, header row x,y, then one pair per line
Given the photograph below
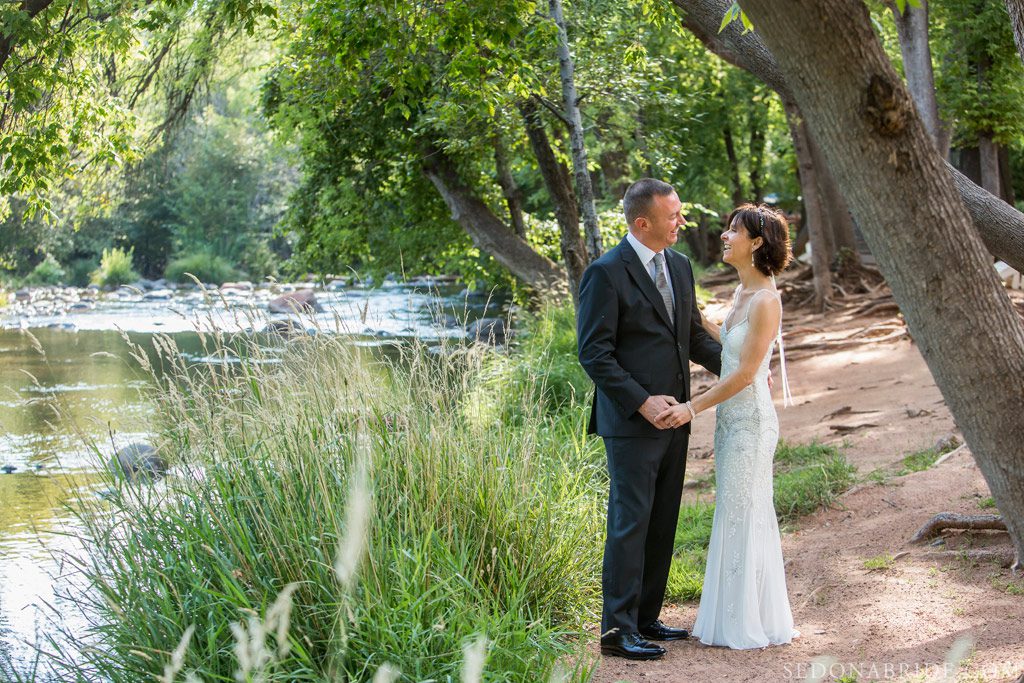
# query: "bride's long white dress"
x,y
744,603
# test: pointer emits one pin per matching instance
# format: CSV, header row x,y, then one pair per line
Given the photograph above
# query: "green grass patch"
x,y
807,477
879,563
919,461
988,503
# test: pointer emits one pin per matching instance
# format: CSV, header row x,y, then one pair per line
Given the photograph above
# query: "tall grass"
x,y
481,527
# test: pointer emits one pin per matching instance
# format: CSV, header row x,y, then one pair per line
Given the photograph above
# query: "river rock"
x,y
286,328
336,285
23,295
302,301
491,330
159,295
138,460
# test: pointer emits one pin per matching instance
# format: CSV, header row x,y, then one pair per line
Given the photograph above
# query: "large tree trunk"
x,y
584,188
490,233
734,166
837,220
1016,10
814,214
1006,176
988,153
957,310
756,147
509,189
912,27
749,52
559,186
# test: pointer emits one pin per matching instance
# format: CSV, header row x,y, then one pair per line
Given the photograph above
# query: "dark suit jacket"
x,y
626,344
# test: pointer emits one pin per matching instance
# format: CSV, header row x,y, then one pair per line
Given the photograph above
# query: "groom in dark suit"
x,y
638,328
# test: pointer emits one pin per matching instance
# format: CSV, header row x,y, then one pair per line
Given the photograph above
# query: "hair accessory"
x,y
760,217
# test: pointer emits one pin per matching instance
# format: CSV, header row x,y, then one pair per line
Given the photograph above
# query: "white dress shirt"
x,y
646,255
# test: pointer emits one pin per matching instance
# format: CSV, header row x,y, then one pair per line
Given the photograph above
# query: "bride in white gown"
x,y
744,603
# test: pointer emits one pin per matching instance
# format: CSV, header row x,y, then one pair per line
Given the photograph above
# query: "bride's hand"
x,y
676,416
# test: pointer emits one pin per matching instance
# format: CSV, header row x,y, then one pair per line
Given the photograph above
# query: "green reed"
x,y
484,522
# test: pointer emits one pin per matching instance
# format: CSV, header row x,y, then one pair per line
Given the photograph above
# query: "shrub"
x,y
206,267
47,272
115,269
475,528
80,271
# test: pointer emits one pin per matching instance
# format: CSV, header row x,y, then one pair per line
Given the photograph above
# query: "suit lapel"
x,y
682,298
643,279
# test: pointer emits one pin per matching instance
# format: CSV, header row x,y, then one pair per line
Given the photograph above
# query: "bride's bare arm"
x,y
764,317
711,328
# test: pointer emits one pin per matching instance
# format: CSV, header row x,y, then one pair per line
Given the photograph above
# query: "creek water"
x,y
70,395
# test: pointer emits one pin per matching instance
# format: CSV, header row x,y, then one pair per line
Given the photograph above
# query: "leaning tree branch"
x,y
1000,225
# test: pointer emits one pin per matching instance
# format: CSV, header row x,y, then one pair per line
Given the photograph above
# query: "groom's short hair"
x,y
639,196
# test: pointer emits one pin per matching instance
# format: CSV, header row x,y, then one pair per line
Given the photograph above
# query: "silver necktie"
x,y
661,282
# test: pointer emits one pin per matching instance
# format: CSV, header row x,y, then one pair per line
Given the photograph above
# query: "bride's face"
x,y
737,246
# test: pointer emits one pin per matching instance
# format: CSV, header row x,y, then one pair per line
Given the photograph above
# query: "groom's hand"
x,y
656,405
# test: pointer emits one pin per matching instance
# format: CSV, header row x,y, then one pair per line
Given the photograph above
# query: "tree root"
x,y
1005,557
952,520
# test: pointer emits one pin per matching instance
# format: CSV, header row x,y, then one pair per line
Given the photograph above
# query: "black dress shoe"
x,y
630,646
658,631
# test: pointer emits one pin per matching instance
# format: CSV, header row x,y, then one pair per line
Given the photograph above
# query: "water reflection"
x,y
86,388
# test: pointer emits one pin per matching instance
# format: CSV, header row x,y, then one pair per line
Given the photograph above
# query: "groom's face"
x,y
660,228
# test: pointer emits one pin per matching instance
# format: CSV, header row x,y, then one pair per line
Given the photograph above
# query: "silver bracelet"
x,y
689,406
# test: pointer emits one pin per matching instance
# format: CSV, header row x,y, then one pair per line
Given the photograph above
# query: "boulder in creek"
x,y
301,301
489,330
138,461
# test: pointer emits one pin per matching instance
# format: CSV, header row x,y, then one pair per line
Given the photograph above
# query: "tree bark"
x,y
584,188
912,27
749,52
988,153
837,221
756,146
559,186
1003,235
490,233
814,215
734,166
1016,10
509,189
936,265
1006,176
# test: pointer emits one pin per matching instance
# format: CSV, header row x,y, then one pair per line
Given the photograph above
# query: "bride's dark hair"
x,y
770,225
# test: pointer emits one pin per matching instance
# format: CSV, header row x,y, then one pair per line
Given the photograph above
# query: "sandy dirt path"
x,y
900,623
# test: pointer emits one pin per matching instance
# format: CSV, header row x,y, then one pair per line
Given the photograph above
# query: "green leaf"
x,y
748,25
730,14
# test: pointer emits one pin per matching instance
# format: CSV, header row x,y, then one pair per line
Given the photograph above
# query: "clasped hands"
x,y
665,412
